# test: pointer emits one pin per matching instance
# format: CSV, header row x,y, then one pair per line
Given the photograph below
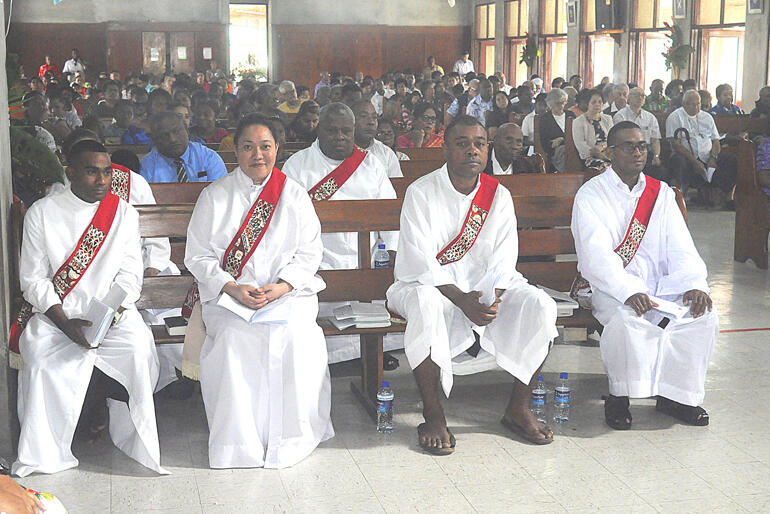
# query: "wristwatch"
x,y
117,317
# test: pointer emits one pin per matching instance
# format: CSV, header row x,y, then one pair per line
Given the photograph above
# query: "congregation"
x,y
272,151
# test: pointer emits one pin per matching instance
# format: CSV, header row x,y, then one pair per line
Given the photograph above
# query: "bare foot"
x,y
523,422
434,435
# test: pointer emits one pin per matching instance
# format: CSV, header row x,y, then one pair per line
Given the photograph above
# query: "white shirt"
x,y
387,157
506,88
290,250
45,137
497,169
377,101
528,126
666,262
369,181
560,120
645,119
463,67
71,67
701,127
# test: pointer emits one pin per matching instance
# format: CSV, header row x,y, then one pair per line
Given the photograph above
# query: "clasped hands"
x,y
477,312
256,297
696,299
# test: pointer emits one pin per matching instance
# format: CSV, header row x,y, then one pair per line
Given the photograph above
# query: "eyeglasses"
x,y
428,119
630,147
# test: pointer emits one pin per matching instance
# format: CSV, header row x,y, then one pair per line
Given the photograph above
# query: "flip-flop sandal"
x,y
516,429
389,363
616,413
431,449
695,416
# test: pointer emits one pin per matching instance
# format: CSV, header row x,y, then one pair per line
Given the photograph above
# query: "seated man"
x,y
366,129
506,158
254,239
332,168
634,248
697,156
650,127
174,158
77,244
441,278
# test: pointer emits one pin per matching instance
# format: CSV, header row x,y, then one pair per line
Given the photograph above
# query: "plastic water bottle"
x,y
385,409
561,397
538,400
381,257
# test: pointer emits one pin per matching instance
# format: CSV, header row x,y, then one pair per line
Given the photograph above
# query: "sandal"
x,y
432,449
389,363
695,416
616,412
519,431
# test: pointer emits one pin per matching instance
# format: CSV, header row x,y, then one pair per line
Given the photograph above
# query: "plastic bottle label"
x,y
538,399
384,405
381,264
561,397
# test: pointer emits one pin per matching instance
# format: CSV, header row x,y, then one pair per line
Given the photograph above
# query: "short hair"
x,y
250,120
689,83
401,81
76,135
162,117
575,76
554,95
523,89
619,87
84,146
462,120
421,107
309,106
608,90
126,158
286,86
612,135
671,85
335,109
690,92
721,89
584,96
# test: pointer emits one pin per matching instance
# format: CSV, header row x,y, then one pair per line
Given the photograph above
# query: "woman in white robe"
x,y
265,385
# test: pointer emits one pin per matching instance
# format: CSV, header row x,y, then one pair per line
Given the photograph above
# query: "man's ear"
x,y
69,171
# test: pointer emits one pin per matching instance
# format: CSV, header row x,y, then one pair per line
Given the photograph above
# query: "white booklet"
x,y
101,313
670,309
277,312
362,312
565,305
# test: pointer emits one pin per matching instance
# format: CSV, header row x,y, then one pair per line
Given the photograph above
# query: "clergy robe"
x,y
265,386
642,359
518,339
56,371
369,181
156,253
387,156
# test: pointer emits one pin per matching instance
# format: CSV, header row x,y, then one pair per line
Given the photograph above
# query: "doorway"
x,y
248,40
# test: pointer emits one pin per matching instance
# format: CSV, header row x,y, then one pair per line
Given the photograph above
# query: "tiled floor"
x,y
659,466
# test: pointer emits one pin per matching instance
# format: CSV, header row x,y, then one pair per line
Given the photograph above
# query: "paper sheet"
x,y
274,312
670,309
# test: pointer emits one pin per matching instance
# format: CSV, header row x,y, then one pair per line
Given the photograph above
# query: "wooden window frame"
x,y
721,23
543,33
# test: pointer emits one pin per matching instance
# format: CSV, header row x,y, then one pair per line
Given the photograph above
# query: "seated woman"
x,y
551,127
386,134
205,124
499,115
423,134
763,160
589,131
302,128
254,243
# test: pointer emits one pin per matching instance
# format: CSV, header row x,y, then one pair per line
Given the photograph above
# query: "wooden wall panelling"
x,y
215,39
124,51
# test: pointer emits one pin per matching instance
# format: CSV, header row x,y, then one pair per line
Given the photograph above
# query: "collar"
x,y
317,147
77,202
185,156
444,173
497,169
635,192
245,183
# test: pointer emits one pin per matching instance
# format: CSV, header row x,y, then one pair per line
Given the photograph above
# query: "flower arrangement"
x,y
678,52
530,52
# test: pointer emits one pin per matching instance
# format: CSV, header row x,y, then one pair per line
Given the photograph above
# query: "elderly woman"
x,y
254,247
589,131
551,129
423,135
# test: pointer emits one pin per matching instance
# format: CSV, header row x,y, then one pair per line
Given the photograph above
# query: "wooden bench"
x,y
419,168
572,160
424,154
752,210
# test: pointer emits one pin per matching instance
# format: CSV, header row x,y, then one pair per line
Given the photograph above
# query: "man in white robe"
x,y
335,143
57,362
646,352
513,322
265,385
365,132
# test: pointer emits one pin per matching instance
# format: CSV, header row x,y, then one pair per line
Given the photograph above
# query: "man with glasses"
x,y
648,123
647,286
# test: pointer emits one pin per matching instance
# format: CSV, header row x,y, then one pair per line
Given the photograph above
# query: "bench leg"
x,y
371,373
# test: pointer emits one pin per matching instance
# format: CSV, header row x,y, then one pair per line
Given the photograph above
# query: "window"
x,y
598,48
553,25
553,17
721,28
720,12
485,21
651,14
485,39
248,40
650,41
516,27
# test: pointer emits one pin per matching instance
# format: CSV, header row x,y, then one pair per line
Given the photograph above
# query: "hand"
x,y
698,302
476,311
641,303
73,328
271,292
598,150
15,499
557,142
244,294
151,272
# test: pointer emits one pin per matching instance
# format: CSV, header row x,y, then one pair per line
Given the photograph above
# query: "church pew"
x,y
573,162
228,156
419,168
296,145
424,154
752,210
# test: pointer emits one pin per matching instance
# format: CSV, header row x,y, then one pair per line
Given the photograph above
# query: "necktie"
x,y
181,170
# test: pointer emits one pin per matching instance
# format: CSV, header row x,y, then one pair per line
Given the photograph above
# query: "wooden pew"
x,y
573,162
228,156
752,210
419,168
424,154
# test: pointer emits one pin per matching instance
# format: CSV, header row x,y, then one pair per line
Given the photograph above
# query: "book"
x,y
342,324
175,325
362,312
274,312
101,314
565,305
670,309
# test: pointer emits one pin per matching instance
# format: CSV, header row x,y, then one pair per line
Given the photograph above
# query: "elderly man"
x,y
366,130
467,307
647,286
618,100
481,103
291,103
463,65
503,85
333,168
174,158
82,244
657,101
697,156
506,157
649,126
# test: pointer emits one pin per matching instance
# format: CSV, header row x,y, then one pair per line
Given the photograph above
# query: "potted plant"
x,y
678,52
530,52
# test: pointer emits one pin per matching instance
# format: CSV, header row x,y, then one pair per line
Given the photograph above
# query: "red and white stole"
x,y
628,247
69,274
121,182
474,220
248,236
332,182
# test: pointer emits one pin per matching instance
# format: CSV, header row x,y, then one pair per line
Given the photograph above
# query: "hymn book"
x,y
101,314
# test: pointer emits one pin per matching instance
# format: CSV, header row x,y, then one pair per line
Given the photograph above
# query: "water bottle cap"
x,y
540,378
380,246
563,375
386,384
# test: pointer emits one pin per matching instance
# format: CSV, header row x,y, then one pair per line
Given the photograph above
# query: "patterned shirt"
x,y
650,104
478,107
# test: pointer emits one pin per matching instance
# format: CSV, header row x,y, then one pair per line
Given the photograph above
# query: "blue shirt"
x,y
135,136
721,109
202,163
477,107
